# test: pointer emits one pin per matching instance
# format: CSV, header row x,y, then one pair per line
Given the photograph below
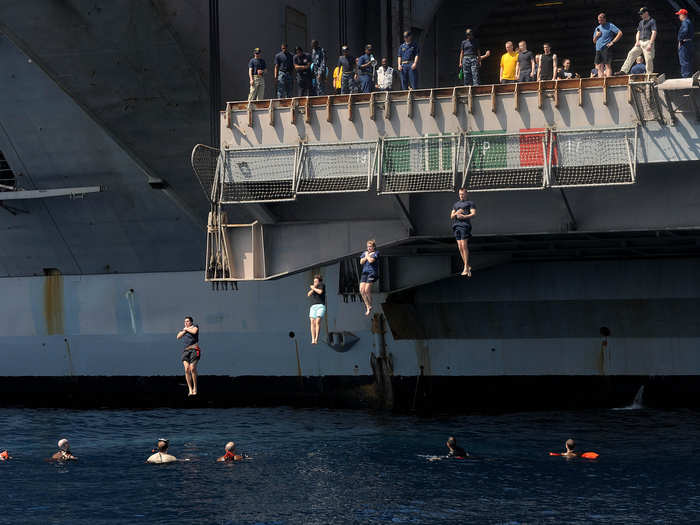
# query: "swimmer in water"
x,y
454,450
230,454
570,449
64,453
5,455
162,455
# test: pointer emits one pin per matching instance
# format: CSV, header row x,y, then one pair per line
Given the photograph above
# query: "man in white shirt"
x,y
385,76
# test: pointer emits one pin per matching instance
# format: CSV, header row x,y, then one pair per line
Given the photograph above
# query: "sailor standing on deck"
x,y
408,62
191,354
347,64
256,70
284,65
462,212
644,43
685,43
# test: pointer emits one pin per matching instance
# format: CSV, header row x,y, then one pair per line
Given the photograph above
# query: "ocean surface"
x,y
322,466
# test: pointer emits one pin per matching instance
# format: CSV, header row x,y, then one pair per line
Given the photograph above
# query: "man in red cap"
x,y
685,43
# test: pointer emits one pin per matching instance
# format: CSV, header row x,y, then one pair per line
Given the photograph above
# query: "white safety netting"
x,y
419,164
593,157
258,175
337,168
205,163
505,161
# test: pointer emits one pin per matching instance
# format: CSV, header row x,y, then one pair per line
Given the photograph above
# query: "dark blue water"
x,y
316,466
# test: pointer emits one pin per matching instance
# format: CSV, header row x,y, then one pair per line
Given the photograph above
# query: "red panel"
x,y
531,147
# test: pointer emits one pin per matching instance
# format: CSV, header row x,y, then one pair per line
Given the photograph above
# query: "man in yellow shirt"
x,y
509,61
337,76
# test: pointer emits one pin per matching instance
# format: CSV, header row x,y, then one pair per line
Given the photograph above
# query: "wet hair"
x,y
189,317
162,445
451,441
230,446
570,444
318,276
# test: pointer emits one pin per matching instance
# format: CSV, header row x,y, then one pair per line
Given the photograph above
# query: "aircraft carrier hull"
x,y
519,335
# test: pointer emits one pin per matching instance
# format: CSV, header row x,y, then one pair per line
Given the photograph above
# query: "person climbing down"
x,y
370,273
64,453
162,455
230,454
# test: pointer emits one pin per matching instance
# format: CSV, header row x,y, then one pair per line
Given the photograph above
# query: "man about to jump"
x,y
462,212
190,355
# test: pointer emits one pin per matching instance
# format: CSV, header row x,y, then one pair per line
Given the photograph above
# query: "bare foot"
x,y
369,309
464,272
469,271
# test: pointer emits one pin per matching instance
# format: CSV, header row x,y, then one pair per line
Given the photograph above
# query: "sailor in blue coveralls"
x,y
365,69
284,66
408,62
685,43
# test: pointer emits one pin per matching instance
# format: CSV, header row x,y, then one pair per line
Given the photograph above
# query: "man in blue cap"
x,y
408,62
685,43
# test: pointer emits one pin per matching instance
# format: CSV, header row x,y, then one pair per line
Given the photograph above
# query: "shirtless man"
x,y
190,355
162,455
230,454
454,450
64,453
570,449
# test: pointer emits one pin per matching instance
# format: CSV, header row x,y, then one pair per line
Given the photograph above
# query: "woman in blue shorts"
x,y
462,212
317,297
370,273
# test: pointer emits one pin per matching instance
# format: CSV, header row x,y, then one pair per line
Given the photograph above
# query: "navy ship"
x,y
116,115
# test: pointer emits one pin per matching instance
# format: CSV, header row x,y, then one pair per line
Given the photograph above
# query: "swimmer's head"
x,y
230,446
4,455
570,444
162,445
451,442
63,444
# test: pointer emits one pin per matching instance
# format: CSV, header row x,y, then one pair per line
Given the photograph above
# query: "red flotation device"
x,y
585,455
4,455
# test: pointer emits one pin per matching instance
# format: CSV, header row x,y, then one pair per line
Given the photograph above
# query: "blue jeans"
x,y
685,57
284,85
409,77
365,83
470,70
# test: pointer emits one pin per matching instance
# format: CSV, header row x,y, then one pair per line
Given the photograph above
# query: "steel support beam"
x,y
43,194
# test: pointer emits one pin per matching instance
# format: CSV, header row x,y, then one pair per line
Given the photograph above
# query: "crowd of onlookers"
x,y
364,74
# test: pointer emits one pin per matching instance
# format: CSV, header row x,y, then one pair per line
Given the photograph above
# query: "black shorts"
x,y
367,277
191,355
462,231
604,56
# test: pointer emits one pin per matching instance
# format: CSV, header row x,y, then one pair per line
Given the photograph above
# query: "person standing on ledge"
x,y
509,63
685,43
370,273
462,212
302,65
546,63
191,354
318,67
644,43
365,69
317,297
284,65
347,63
408,62
256,70
605,35
525,69
469,59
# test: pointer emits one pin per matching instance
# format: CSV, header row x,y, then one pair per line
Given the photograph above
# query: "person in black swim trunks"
x,y
190,355
454,450
462,212
370,273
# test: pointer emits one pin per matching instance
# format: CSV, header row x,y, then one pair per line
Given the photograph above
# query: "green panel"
x,y
489,152
397,156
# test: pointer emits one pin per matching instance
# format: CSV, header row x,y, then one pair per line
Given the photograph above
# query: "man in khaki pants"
x,y
256,70
644,45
